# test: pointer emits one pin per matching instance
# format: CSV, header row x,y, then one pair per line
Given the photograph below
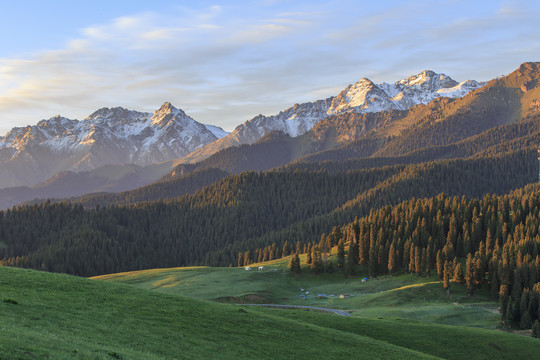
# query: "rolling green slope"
x,y
404,296
62,317
448,342
387,308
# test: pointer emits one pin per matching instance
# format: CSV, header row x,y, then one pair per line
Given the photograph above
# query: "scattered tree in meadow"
x,y
294,265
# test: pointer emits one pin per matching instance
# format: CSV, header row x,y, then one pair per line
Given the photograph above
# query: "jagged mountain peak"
x,y
429,78
168,108
166,113
56,120
118,112
361,83
108,136
527,75
118,117
529,68
363,96
358,97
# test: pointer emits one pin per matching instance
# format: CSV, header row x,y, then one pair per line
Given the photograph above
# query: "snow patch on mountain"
x,y
461,89
217,131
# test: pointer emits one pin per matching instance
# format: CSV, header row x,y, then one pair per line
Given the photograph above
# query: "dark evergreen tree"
x,y
536,329
458,273
294,265
240,259
341,255
469,275
446,276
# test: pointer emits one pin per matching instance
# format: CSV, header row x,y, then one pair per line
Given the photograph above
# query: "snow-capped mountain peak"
x,y
358,97
116,116
428,78
166,113
363,96
109,136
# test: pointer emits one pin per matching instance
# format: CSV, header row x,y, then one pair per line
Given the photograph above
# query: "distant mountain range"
x,y
501,117
36,159
361,97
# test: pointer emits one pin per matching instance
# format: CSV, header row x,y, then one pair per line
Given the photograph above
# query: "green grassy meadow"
x,y
404,296
166,314
56,316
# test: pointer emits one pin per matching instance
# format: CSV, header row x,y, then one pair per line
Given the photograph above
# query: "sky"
x,y
224,62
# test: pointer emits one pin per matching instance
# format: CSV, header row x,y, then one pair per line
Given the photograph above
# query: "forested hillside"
x,y
241,212
491,243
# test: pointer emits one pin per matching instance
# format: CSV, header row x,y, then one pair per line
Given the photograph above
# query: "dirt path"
x,y
280,306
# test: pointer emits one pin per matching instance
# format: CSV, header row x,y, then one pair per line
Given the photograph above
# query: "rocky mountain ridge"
x,y
109,136
362,97
117,136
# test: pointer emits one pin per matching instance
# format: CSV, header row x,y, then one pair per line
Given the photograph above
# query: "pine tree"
x,y
458,273
536,329
240,259
425,261
525,321
372,264
354,252
309,254
317,265
341,255
247,258
469,275
446,277
440,264
495,284
503,301
294,265
350,261
509,313
516,285
286,249
297,263
534,303
418,261
392,258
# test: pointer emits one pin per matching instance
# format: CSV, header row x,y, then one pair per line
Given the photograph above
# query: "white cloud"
x,y
141,61
225,64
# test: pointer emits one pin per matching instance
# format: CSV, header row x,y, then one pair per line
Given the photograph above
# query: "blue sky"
x,y
224,62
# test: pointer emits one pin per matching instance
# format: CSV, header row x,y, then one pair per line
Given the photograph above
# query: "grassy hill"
x,y
64,317
404,310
